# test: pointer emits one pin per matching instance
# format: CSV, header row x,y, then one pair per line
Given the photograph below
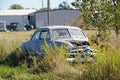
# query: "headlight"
x,y
87,49
68,45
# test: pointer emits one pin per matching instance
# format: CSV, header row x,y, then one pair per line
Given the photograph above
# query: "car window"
x,y
36,36
44,34
60,33
76,33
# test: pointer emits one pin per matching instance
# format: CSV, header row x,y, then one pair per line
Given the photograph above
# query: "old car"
x,y
29,27
12,26
73,38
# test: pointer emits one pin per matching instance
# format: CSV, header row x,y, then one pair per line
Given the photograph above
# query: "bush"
x,y
15,58
52,60
106,66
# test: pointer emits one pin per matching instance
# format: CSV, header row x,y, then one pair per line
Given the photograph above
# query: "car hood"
x,y
76,42
74,39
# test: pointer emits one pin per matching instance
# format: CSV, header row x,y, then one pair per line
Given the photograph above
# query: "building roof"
x,y
16,12
59,10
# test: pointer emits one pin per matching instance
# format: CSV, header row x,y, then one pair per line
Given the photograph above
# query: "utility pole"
x,y
42,4
48,2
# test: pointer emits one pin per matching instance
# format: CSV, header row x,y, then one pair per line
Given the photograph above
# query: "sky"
x,y
5,4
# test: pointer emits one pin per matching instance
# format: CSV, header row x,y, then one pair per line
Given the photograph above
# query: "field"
x,y
13,65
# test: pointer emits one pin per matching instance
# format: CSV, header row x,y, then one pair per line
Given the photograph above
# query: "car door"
x,y
38,40
44,36
34,42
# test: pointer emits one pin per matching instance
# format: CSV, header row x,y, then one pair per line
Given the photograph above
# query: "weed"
x,y
14,64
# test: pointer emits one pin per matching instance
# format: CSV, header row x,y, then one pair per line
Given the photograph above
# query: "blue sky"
x,y
5,4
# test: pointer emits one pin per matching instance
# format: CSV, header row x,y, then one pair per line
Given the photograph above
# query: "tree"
x,y
64,5
16,6
78,22
98,13
115,10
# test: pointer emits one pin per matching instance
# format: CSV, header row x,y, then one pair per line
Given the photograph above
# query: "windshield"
x,y
60,33
76,33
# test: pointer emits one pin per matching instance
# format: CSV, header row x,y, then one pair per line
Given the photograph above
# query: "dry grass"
x,y
20,35
106,66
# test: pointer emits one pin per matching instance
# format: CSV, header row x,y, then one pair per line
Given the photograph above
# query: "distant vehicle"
x,y
73,38
3,26
29,27
12,26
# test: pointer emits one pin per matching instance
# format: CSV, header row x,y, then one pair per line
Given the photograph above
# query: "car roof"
x,y
59,27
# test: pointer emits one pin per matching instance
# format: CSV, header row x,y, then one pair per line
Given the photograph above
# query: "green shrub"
x,y
52,58
106,66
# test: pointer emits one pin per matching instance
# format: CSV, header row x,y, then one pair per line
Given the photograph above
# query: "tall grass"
x,y
14,64
106,66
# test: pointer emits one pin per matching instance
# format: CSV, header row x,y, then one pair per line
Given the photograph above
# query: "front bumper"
x,y
90,59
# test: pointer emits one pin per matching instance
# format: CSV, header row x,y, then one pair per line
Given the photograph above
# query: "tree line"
x,y
62,5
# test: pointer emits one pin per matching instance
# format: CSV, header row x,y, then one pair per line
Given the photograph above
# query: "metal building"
x,y
57,17
16,16
38,19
